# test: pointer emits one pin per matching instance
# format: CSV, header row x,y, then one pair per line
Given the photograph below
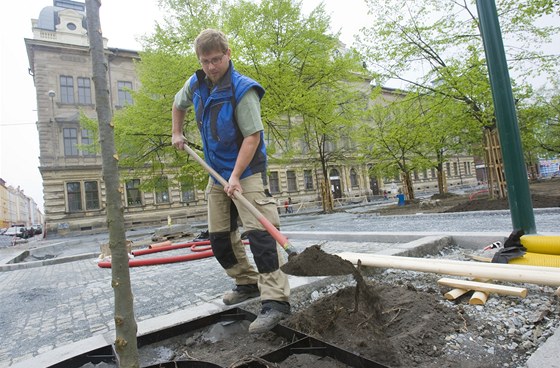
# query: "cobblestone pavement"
x,y
47,307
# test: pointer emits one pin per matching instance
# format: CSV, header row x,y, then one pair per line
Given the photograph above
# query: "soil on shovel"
x,y
315,262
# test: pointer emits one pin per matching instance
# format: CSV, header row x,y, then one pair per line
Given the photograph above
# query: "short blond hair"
x,y
210,40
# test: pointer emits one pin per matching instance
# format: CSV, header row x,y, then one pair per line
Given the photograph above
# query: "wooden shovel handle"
x,y
272,230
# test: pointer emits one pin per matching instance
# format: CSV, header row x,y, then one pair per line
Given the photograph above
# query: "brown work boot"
x,y
241,293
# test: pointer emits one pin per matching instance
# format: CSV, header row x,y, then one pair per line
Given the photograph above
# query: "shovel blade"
x,y
313,261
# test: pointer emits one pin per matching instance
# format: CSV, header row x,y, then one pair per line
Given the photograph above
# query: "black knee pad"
x,y
264,250
223,249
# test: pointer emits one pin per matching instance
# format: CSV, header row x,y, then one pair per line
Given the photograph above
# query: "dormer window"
x,y
71,26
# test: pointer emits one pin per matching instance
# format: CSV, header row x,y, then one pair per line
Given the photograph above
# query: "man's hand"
x,y
178,141
233,185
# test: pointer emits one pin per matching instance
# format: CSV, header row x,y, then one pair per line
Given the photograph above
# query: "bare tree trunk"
x,y
408,188
326,194
125,324
442,181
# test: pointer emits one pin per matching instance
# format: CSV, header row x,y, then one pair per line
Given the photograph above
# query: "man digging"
x,y
227,109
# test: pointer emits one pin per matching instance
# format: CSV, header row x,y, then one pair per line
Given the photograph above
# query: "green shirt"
x,y
247,112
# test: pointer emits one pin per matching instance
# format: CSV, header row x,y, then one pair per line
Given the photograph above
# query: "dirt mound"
x,y
410,333
486,204
544,194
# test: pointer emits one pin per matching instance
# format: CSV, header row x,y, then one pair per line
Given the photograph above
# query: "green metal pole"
x,y
519,196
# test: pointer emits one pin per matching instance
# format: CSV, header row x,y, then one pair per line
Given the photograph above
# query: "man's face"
x,y
215,64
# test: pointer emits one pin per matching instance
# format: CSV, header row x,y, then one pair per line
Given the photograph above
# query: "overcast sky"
x,y
122,22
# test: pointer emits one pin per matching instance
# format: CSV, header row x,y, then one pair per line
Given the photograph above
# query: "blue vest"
x,y
221,136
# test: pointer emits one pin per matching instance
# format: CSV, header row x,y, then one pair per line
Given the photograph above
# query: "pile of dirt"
x,y
487,204
544,194
411,332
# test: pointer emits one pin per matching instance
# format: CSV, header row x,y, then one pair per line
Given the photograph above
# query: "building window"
x,y
304,143
274,182
448,169
308,180
66,89
292,184
133,194
455,169
92,195
433,170
74,196
187,192
353,178
124,96
70,136
87,143
329,146
84,91
415,173
162,190
425,174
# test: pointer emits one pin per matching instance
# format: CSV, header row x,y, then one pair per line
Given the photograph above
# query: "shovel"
x,y
311,262
272,230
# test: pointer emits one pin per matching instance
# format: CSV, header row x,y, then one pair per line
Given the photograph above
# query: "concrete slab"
x,y
471,240
547,355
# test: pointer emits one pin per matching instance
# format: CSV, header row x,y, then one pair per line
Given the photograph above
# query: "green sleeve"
x,y
248,113
183,98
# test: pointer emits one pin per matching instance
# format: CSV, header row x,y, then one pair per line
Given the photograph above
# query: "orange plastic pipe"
x,y
158,245
162,260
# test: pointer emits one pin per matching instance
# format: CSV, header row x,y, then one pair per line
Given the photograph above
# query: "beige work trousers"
x,y
272,285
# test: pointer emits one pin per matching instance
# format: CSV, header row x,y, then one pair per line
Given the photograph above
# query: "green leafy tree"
x,y
143,129
393,137
305,71
448,133
434,47
309,76
539,124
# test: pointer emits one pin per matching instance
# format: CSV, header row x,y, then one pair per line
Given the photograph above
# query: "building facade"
x,y
74,192
16,208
